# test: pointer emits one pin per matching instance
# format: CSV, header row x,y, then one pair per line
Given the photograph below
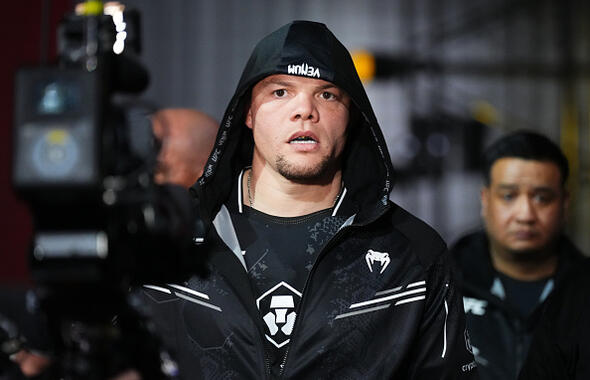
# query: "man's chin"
x,y
301,175
526,250
305,173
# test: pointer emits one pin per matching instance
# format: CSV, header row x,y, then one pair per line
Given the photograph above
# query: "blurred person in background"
x,y
186,137
511,266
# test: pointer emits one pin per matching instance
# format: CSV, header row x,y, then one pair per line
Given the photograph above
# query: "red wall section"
x,y
20,36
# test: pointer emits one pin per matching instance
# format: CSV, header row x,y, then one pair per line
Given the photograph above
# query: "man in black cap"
x,y
310,270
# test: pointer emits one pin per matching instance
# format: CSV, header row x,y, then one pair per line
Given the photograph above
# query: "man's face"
x,y
299,126
186,138
174,165
524,206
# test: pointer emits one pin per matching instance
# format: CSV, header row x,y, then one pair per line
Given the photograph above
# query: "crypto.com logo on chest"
x,y
278,307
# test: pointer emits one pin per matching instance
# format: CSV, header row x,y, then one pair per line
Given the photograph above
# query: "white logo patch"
x,y
474,306
382,257
304,69
278,306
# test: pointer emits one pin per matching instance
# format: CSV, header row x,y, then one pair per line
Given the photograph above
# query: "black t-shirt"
x,y
279,254
523,296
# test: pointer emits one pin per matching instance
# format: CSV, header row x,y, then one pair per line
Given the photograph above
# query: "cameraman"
x,y
186,137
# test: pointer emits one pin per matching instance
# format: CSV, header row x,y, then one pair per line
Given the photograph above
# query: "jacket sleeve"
x,y
442,349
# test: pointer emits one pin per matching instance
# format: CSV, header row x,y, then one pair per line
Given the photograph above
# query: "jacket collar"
x,y
471,253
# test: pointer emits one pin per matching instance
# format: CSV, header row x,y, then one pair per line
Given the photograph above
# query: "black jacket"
x,y
561,344
400,317
499,334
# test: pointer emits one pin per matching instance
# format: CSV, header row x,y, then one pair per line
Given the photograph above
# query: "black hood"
x,y
307,49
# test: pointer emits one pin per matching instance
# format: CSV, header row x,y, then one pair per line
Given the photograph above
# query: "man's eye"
x,y
543,198
280,93
327,95
507,196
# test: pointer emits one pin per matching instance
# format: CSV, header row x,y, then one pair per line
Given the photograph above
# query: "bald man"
x,y
187,137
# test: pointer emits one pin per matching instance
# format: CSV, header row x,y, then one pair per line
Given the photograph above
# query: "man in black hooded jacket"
x,y
310,270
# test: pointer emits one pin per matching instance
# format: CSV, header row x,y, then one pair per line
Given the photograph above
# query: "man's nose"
x,y
304,108
525,212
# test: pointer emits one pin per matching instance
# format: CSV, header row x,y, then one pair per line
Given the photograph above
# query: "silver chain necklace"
x,y
249,181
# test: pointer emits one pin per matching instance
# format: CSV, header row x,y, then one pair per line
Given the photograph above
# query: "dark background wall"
x,y
466,71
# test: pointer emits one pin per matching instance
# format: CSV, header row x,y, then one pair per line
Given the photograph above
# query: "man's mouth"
x,y
303,140
525,234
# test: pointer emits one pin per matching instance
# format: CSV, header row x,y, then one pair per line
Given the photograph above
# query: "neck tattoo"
x,y
251,193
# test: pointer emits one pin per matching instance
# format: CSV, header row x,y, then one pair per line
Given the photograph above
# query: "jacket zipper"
x,y
264,345
266,362
328,245
284,361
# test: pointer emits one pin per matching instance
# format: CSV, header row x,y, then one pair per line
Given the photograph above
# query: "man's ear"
x,y
565,205
483,197
248,120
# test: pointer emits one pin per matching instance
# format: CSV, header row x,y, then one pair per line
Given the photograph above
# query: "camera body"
x,y
58,120
83,159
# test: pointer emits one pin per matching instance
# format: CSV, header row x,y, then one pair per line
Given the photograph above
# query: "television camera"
x,y
84,157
